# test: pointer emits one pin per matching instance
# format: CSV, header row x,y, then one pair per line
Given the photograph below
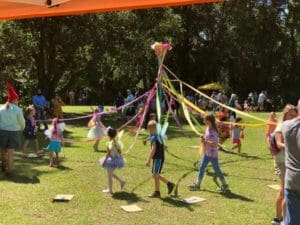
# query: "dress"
x,y
55,140
96,131
115,160
29,130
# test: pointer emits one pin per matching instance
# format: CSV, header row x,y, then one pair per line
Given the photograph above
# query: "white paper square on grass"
x,y
63,198
275,187
193,200
131,208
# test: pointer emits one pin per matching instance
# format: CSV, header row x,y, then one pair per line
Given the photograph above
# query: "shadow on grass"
x,y
177,203
22,178
253,178
24,170
141,184
176,190
244,155
130,198
231,195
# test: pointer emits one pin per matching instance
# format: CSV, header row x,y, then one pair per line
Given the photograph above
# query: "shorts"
x,y
292,199
279,169
236,141
157,166
10,139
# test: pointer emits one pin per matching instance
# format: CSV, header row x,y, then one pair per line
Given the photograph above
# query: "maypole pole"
x,y
161,50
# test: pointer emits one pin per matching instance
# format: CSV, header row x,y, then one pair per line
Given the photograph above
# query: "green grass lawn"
x,y
27,197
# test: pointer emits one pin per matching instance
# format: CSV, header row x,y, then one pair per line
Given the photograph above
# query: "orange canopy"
x,y
17,9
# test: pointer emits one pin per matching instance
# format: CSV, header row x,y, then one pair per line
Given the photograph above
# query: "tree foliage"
x,y
248,45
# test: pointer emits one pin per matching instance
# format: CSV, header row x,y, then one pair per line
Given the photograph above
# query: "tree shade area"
x,y
245,45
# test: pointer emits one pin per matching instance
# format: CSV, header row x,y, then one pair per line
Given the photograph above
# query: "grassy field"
x,y
27,197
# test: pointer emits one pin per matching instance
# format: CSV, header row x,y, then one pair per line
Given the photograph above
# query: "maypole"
x,y
161,50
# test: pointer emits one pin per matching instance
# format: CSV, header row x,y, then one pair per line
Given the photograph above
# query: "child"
x,y
236,134
56,139
153,117
113,160
210,149
223,130
30,131
97,129
272,125
157,155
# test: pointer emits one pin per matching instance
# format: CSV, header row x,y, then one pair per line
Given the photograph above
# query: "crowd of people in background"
x,y
253,103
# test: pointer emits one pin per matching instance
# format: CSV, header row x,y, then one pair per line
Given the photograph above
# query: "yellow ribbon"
x,y
265,122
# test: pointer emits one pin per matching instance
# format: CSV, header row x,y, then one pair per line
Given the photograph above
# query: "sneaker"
x,y
276,221
195,187
155,194
171,187
224,188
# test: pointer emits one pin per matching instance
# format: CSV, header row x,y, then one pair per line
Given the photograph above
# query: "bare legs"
x,y
238,147
96,145
280,202
53,159
10,159
110,176
157,178
25,145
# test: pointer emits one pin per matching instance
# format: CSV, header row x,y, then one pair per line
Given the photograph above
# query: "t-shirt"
x,y
236,132
11,119
29,127
159,153
211,135
39,101
129,98
291,134
261,98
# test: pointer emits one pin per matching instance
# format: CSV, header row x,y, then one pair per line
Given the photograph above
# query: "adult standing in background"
x,y
291,135
261,100
12,122
119,101
233,103
40,104
72,97
57,104
130,110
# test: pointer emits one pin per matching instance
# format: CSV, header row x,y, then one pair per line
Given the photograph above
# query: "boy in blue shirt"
x,y
157,155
